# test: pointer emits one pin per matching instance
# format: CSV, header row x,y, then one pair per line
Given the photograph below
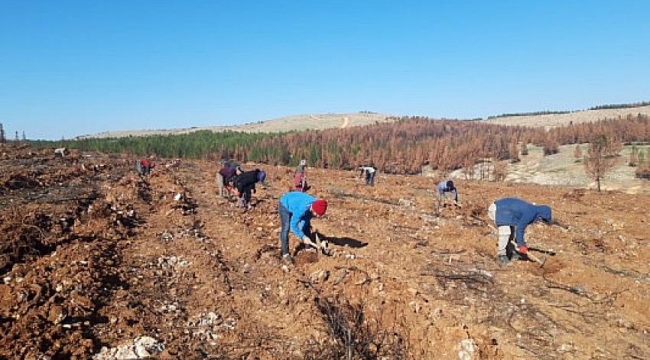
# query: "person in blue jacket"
x,y
512,216
296,211
446,188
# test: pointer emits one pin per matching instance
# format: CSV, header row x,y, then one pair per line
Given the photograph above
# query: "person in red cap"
x,y
296,211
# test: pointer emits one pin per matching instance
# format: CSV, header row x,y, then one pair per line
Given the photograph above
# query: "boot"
x,y
503,260
287,259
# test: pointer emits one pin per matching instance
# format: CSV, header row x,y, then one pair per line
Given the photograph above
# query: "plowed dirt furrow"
x,y
98,262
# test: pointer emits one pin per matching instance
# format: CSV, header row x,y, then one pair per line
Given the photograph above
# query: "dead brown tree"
x,y
577,153
499,171
634,156
600,158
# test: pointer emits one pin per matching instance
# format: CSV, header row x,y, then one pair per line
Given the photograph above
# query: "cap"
x,y
319,207
261,176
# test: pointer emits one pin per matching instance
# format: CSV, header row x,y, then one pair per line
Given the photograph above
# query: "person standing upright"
x,y
300,177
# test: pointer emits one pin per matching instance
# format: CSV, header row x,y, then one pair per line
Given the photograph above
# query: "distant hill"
x,y
562,119
329,121
283,124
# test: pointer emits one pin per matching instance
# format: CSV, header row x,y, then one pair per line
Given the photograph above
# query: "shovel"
x,y
543,251
311,243
322,245
528,254
532,257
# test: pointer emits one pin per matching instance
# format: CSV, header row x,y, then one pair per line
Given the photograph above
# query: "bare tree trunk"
x,y
350,345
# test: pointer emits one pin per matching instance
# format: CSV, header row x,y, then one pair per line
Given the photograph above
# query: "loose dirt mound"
x,y
98,262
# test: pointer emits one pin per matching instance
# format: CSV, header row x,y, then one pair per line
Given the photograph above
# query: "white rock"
x,y
467,349
125,352
141,351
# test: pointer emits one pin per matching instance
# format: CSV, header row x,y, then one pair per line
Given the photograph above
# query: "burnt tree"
x,y
600,158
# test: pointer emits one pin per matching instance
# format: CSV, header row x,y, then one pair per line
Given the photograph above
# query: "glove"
x,y
307,241
523,249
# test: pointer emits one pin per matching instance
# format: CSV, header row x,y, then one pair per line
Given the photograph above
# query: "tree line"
x,y
403,146
620,106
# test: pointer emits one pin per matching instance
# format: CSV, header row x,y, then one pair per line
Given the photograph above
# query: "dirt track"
x,y
95,259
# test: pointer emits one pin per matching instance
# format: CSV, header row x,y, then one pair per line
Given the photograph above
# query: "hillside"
x,y
576,117
283,124
328,121
100,263
562,169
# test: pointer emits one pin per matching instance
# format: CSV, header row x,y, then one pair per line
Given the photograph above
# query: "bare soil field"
x,y
100,263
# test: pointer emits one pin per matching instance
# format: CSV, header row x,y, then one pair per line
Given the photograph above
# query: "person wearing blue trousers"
x,y
296,210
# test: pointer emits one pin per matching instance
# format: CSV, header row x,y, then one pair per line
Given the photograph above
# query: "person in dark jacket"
x,y
224,177
245,185
296,210
512,216
446,188
369,173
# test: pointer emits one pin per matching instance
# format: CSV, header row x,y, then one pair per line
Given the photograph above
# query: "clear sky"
x,y
70,68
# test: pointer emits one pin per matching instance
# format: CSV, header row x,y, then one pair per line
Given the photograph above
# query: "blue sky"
x,y
70,68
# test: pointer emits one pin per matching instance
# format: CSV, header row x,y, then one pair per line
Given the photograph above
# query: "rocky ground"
x,y
564,169
100,263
